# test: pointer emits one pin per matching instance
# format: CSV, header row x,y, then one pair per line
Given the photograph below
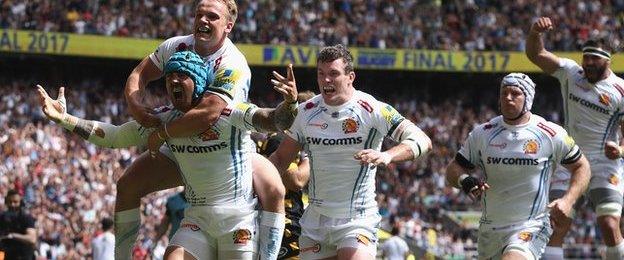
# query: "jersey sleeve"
x,y
468,154
566,150
566,67
240,115
163,52
387,120
229,81
296,129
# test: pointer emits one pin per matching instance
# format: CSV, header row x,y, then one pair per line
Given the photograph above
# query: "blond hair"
x,y
231,7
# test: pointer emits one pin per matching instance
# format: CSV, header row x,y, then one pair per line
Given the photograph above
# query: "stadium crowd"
x,y
430,24
68,184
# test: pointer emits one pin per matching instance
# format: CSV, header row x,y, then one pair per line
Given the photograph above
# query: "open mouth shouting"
x,y
329,89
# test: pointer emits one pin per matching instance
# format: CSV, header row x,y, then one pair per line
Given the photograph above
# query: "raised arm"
x,y
281,117
535,51
99,133
142,74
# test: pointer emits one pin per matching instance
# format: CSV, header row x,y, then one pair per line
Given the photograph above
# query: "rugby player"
x,y
517,153
221,220
593,102
214,20
341,131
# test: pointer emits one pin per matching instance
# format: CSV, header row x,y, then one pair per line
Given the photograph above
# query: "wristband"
x,y
460,179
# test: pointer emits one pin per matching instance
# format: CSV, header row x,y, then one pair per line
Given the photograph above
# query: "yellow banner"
x,y
37,42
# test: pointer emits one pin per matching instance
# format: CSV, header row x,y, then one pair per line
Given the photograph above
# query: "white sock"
x,y
553,253
127,225
270,235
616,252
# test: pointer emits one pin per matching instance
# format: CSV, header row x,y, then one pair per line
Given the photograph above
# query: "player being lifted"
x,y
221,221
334,127
517,153
214,20
593,103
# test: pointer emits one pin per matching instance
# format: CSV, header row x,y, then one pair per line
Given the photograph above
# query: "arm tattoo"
x,y
263,120
83,128
283,116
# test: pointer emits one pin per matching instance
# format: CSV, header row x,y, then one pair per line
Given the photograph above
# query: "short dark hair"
x,y
332,53
599,43
395,231
107,224
12,192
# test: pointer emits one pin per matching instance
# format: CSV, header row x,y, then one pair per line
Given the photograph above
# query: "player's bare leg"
x,y
612,236
271,191
144,176
516,255
177,253
353,253
554,249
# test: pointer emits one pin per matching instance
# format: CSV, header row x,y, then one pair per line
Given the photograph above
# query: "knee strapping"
x,y
609,209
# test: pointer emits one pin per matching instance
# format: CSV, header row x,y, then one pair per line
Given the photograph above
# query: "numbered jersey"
x,y
232,73
517,162
339,185
215,168
592,111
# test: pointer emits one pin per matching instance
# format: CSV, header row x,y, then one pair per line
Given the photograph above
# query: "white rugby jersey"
x,y
517,162
592,111
232,73
339,185
215,168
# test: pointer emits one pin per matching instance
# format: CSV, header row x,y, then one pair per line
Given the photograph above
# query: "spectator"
x,y
17,228
395,248
103,245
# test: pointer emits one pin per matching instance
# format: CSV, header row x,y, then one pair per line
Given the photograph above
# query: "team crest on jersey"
x,y
362,239
350,126
242,236
531,146
310,105
525,236
604,99
614,180
209,135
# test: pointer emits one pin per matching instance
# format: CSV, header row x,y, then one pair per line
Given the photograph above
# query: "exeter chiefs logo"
x,y
241,236
613,179
350,125
531,147
525,236
209,135
604,99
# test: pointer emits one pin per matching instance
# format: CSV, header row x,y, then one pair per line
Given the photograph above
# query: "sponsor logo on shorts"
x,y
613,179
190,226
314,249
531,146
525,236
350,126
241,236
209,135
362,239
282,252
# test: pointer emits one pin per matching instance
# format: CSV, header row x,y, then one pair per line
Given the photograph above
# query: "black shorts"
x,y
290,241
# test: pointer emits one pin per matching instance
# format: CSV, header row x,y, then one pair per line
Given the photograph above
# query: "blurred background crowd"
x,y
69,185
424,24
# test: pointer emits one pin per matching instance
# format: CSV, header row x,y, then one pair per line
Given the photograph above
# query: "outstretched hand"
x,y
54,109
286,86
